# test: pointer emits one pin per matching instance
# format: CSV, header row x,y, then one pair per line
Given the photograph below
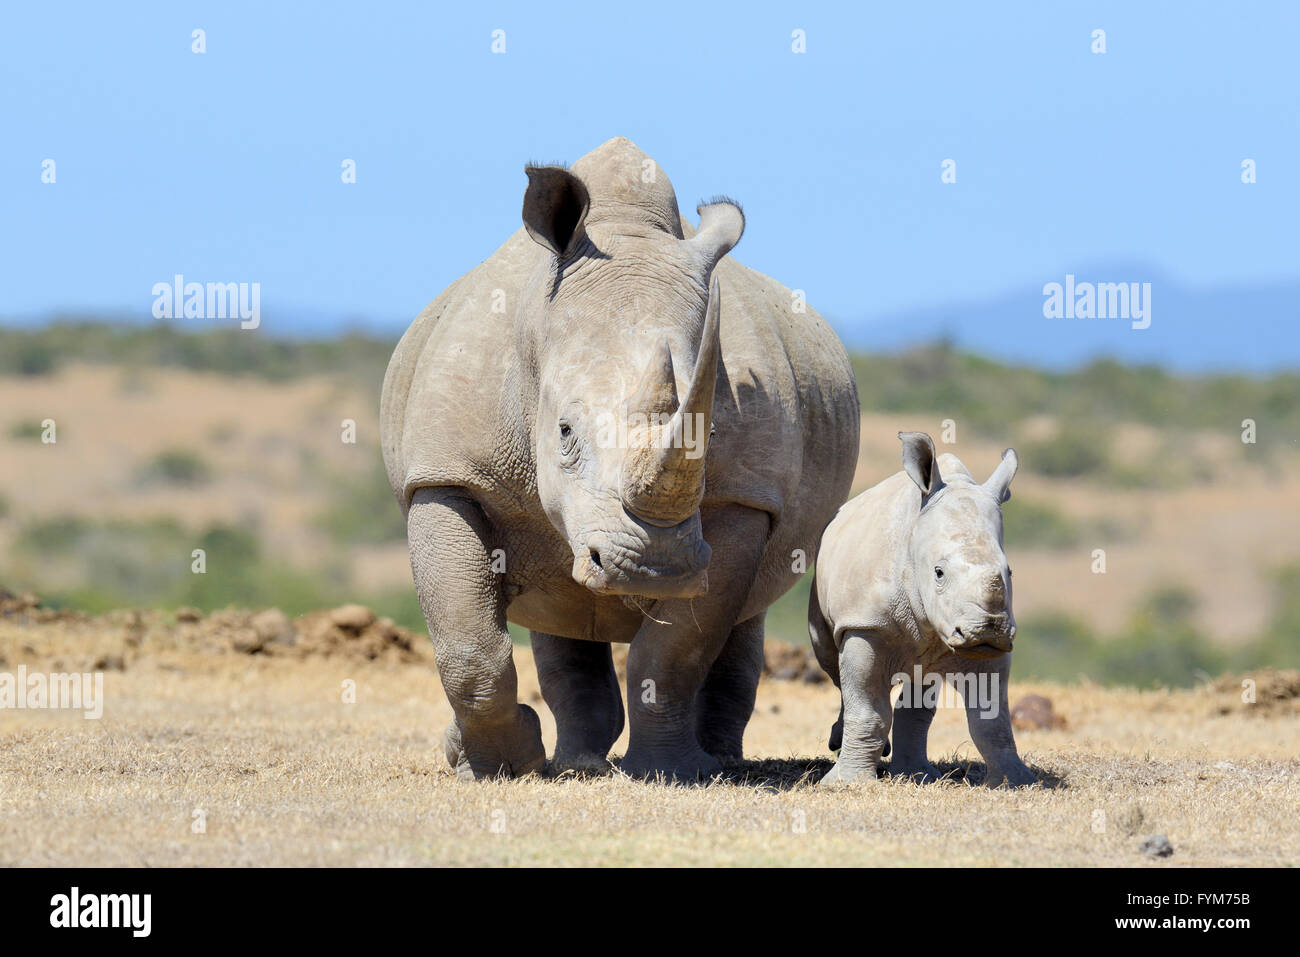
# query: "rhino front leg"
x,y
676,646
989,719
462,601
726,702
913,713
580,687
864,690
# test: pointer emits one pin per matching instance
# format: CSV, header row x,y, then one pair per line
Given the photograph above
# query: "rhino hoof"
x,y
582,764
848,774
921,774
692,766
1013,775
510,751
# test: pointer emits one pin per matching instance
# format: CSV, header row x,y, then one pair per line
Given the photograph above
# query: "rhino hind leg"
x,y
828,656
726,700
867,715
581,688
491,734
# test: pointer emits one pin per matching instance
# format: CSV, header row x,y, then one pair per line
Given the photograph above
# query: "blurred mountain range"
x,y
1246,328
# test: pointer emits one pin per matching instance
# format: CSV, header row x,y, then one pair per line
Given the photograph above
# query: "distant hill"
x,y
1244,328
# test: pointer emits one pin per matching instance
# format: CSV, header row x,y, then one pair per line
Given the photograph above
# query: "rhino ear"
x,y
999,483
920,463
722,222
555,208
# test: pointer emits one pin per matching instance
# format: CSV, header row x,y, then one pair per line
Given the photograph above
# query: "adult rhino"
x,y
606,432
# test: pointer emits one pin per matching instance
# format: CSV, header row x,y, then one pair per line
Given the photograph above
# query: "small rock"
x,y
352,617
246,641
786,674
273,627
11,604
813,675
1034,713
1157,845
188,614
108,663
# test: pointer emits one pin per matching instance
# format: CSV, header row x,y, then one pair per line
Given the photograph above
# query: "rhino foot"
x,y
689,765
1011,773
921,772
583,762
847,773
510,750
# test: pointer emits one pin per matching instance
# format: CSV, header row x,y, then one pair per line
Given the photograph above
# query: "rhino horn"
x,y
663,481
657,392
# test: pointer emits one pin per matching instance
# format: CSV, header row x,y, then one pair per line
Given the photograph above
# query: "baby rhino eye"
x,y
938,573
565,430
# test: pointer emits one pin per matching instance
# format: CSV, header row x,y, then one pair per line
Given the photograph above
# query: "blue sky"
x,y
225,166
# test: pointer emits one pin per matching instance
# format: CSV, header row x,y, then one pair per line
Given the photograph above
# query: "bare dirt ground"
x,y
241,724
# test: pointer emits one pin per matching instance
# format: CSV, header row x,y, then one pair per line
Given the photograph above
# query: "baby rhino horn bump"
x,y
663,481
999,483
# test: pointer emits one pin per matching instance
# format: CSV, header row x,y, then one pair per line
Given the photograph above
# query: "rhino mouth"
x,y
617,572
981,645
643,561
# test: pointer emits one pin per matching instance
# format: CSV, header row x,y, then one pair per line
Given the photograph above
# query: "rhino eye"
x,y
568,443
938,573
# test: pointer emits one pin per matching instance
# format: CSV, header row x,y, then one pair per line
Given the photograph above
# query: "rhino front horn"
x,y
663,476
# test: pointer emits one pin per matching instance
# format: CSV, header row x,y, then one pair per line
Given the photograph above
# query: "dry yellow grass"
x,y
285,773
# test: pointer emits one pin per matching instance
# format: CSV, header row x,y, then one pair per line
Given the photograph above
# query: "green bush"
x,y
1029,524
362,510
787,618
48,537
26,431
1076,450
34,357
176,467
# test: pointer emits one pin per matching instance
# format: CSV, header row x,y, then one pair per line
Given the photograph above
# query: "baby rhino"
x,y
912,588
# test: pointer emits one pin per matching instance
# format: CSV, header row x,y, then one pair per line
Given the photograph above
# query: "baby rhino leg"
x,y
989,719
913,712
864,689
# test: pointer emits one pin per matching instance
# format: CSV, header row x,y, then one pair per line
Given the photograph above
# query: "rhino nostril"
x,y
595,559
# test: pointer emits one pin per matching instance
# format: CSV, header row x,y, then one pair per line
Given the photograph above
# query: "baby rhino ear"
x,y
999,482
919,462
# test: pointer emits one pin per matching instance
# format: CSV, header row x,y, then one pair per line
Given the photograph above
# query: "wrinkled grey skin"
x,y
912,572
523,505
